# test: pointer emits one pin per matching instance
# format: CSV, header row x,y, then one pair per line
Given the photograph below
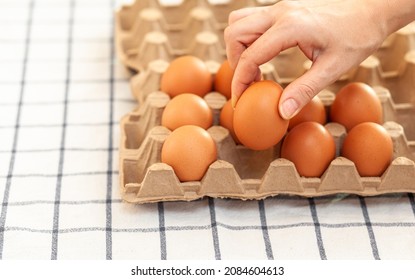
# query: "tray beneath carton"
x,y
148,30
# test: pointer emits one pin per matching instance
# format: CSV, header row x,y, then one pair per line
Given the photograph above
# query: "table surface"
x,y
63,92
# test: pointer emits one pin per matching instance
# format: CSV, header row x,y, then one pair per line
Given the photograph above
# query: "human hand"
x,y
335,35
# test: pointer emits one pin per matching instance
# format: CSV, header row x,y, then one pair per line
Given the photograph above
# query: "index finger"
x,y
243,32
262,50
241,13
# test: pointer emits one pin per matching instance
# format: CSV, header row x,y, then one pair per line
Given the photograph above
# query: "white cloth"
x,y
61,99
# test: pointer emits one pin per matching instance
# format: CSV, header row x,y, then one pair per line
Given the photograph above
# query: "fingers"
x,y
241,36
243,32
241,13
324,71
263,49
255,36
242,78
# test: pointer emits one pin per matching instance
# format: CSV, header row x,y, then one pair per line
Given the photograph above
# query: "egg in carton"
x,y
242,173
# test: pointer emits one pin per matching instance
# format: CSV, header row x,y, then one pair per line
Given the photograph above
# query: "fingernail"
x,y
289,108
233,101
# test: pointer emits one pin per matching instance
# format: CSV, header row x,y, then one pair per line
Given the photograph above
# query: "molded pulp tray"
x,y
150,35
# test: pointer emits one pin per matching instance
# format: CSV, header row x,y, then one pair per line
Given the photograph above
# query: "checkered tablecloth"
x,y
62,95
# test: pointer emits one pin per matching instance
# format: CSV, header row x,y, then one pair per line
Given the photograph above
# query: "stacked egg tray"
x,y
239,172
148,30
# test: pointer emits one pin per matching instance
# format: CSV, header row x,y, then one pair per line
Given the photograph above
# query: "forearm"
x,y
393,14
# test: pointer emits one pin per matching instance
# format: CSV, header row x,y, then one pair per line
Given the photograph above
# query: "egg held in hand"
x,y
311,148
256,121
370,147
189,150
186,109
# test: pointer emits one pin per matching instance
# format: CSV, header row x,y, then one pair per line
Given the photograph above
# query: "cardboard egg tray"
x,y
150,35
246,174
148,30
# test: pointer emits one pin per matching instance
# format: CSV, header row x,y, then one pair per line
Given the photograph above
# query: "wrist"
x,y
392,15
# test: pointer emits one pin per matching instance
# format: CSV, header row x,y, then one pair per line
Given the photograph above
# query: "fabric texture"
x,y
62,95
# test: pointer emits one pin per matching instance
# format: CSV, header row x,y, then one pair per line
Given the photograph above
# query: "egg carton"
x,y
245,174
394,49
148,30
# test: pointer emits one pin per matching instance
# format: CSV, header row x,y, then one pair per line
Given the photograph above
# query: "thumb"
x,y
296,96
299,92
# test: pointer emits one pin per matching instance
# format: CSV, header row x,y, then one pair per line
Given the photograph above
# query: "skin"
x,y
336,35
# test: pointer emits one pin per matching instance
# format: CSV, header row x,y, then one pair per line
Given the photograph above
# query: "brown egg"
x,y
189,150
370,147
310,147
314,111
256,120
223,79
186,74
226,119
187,108
356,103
